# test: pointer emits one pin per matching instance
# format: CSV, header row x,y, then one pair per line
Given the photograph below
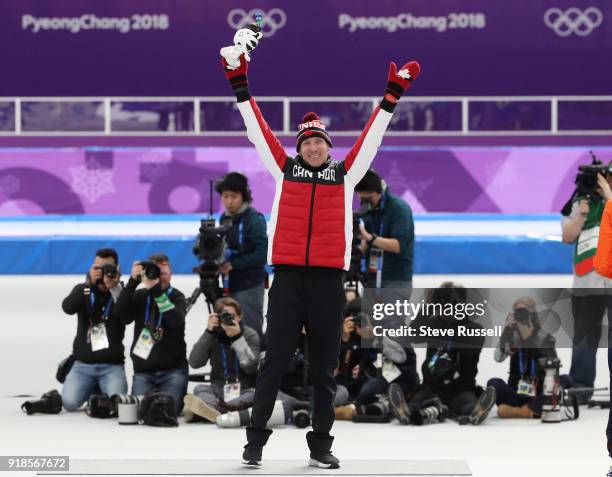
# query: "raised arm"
x,y
362,153
268,146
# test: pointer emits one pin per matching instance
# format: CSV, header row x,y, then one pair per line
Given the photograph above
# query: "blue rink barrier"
x,y
433,254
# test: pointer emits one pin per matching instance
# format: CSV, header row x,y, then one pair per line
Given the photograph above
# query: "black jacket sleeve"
x,y
74,302
124,308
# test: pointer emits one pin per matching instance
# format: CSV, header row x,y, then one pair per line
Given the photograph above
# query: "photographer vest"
x,y
586,245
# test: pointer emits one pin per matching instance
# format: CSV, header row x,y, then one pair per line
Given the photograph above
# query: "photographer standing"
x,y
98,344
247,243
310,245
232,348
159,352
387,235
589,305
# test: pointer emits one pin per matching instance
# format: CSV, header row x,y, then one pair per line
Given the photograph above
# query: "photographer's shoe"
x,y
483,406
320,450
345,413
398,405
514,412
198,407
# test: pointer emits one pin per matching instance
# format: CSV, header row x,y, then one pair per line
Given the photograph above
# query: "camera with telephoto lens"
x,y
110,270
151,269
226,318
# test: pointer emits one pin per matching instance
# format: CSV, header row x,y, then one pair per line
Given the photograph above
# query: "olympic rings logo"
x,y
573,20
271,22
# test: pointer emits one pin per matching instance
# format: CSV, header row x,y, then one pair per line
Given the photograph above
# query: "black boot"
x,y
49,403
320,444
256,440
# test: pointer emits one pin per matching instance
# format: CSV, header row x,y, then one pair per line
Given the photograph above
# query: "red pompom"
x,y
310,117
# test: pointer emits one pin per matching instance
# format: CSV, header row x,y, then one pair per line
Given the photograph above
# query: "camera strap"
x,y
523,364
106,311
226,374
375,262
159,319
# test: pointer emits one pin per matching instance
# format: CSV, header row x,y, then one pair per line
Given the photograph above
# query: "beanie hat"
x,y
311,126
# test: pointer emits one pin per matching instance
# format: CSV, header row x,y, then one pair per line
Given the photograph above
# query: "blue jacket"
x,y
396,217
247,242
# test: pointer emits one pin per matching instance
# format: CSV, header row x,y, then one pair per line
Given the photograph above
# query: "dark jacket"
x,y
88,315
241,356
171,351
396,218
524,354
464,351
247,242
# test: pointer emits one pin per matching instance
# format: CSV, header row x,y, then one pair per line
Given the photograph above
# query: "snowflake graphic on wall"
x,y
92,183
9,184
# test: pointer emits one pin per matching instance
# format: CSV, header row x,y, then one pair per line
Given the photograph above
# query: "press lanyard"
x,y
225,368
105,313
379,259
523,364
148,310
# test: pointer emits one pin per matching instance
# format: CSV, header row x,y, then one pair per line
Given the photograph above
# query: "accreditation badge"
x,y
375,259
390,371
231,391
526,387
144,345
99,339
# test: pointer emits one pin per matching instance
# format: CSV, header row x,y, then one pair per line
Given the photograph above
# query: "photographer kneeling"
x,y
358,370
233,351
98,344
525,342
449,370
247,247
159,352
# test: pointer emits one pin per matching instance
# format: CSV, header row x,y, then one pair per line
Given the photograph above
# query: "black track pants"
x,y
315,301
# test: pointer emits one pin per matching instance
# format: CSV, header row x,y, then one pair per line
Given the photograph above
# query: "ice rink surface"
x,y
36,335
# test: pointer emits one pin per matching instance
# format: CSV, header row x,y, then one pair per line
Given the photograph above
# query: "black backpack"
x,y
158,409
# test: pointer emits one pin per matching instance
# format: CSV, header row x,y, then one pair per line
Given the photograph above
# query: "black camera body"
x,y
110,270
522,315
361,320
151,269
211,244
226,318
586,180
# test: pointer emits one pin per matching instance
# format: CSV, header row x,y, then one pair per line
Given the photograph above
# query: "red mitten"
x,y
238,78
399,81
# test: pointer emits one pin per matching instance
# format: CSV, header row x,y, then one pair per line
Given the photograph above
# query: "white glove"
x,y
247,40
231,54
